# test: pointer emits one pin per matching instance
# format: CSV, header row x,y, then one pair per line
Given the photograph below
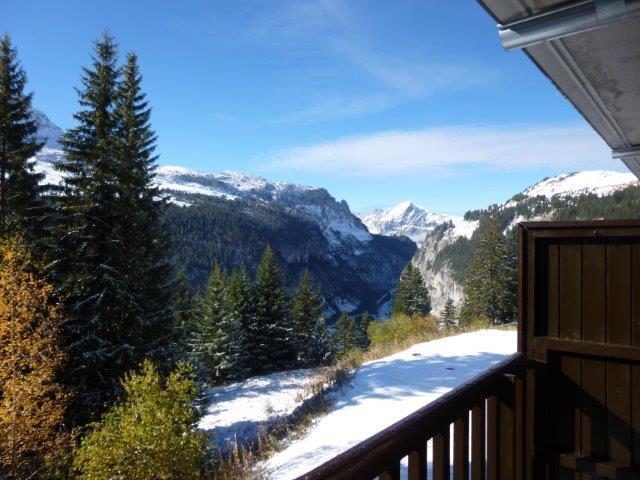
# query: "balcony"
x,y
567,405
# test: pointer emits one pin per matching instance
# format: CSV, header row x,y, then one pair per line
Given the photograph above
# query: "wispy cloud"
x,y
442,151
332,26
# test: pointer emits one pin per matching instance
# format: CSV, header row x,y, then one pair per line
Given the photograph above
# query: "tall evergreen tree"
x,y
309,324
491,280
239,319
19,183
411,296
138,227
188,312
209,340
110,250
449,316
273,334
345,336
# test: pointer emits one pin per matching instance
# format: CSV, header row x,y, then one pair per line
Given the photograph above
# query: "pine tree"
x,y
411,296
345,336
363,331
490,283
309,324
19,183
449,319
94,289
32,404
188,311
208,344
138,224
273,333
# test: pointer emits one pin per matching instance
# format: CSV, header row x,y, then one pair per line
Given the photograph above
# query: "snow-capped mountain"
x,y
355,270
598,182
335,219
443,255
406,218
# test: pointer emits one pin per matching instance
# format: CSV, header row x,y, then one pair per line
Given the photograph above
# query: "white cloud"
x,y
443,150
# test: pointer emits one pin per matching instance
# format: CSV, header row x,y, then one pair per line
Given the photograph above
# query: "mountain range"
x,y
230,217
355,260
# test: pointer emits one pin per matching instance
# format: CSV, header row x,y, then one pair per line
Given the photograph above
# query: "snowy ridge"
x,y
406,218
339,226
598,182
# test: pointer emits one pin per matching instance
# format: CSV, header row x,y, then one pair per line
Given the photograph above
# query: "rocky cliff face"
x,y
444,256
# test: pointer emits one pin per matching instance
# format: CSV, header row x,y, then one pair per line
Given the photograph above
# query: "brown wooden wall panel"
x,y
594,292
553,290
619,294
570,290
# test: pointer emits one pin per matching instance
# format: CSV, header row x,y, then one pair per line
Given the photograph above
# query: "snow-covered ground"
x,y
386,390
238,410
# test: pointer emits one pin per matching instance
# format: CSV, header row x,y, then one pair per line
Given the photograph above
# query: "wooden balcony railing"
x,y
487,418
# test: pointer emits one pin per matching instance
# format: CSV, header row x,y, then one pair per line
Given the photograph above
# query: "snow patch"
x,y
598,182
387,390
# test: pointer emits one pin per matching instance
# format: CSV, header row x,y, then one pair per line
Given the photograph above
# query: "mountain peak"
x,y
406,218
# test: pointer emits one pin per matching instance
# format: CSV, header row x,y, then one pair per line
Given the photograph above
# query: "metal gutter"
x,y
568,19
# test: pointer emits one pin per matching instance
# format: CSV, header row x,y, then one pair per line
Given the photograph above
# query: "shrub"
x,y
400,328
150,434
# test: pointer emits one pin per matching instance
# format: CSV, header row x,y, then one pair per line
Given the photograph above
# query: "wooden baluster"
x,y
461,447
506,431
391,472
441,461
477,442
493,426
418,463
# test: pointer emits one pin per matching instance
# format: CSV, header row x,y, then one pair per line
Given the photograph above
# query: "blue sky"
x,y
377,101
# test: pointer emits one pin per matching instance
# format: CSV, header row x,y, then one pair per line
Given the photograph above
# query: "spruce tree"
x,y
363,331
86,251
273,332
188,312
110,253
309,324
345,337
238,320
449,319
208,344
490,283
411,296
138,225
19,183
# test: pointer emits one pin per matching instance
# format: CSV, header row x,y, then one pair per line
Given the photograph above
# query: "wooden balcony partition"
x,y
567,405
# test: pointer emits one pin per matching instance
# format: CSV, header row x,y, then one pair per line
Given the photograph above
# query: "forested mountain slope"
x,y
444,257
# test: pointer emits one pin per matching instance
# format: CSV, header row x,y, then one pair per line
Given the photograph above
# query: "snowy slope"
x,y
238,410
406,218
386,390
599,182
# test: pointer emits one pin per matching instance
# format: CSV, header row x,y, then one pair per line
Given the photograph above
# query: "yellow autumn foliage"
x,y
32,404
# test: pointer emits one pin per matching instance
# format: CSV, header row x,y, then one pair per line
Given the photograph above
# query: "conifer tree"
x,y
273,333
188,312
32,403
138,224
363,331
110,253
411,296
209,340
449,319
238,320
345,335
19,183
490,283
309,324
